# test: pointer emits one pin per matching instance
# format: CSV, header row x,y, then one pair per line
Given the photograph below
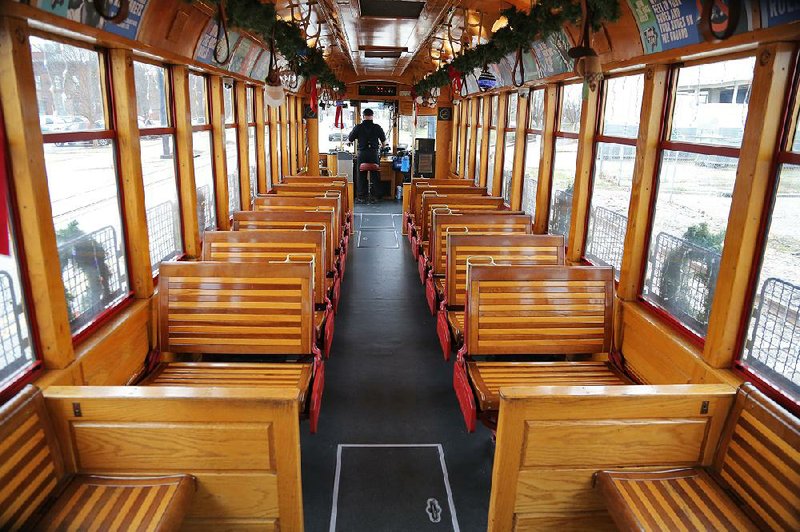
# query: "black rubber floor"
x,y
386,383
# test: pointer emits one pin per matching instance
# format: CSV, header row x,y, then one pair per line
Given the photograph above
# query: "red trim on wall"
x,y
5,241
674,323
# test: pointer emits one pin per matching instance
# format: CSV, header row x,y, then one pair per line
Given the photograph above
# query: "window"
x,y
231,149
288,138
494,109
479,140
462,120
407,132
202,146
267,145
80,161
613,170
251,143
565,160
533,151
279,144
510,142
699,157
469,124
157,140
772,342
17,352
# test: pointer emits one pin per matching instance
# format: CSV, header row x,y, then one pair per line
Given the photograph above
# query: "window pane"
x,y
251,154
16,347
232,160
490,161
689,223
623,106
479,134
68,87
796,143
151,95
711,102
82,181
161,199
251,116
479,103
228,99
608,215
198,99
571,96
508,165
772,347
564,166
537,110
494,108
279,145
511,118
530,183
204,180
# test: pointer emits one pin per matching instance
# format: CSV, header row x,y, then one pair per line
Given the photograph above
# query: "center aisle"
x,y
387,387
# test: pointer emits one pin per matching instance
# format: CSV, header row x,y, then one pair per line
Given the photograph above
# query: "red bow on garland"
x,y
313,98
455,79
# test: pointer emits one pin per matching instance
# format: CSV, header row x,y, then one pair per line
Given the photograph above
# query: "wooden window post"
x,y
546,164
29,186
523,101
123,88
218,140
184,150
751,197
496,173
262,142
484,142
240,108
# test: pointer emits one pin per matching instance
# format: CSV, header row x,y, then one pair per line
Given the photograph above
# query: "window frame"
x,y
530,130
37,368
506,130
234,125
162,131
665,144
207,127
601,137
250,91
109,133
790,130
558,134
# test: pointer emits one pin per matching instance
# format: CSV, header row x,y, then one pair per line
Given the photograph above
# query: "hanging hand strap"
x,y
519,66
222,30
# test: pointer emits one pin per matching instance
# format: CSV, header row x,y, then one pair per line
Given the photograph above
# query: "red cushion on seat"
x,y
369,167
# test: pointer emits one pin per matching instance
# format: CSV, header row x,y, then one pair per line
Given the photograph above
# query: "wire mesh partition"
x,y
562,208
773,343
233,192
606,237
205,209
16,352
163,230
93,279
682,279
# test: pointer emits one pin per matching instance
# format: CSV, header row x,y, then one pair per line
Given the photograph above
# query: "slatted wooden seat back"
x,y
242,308
530,310
266,246
297,220
310,190
419,184
276,203
415,200
31,469
503,249
464,202
326,183
758,460
446,221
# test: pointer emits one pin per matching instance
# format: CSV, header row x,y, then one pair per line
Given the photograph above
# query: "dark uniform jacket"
x,y
369,136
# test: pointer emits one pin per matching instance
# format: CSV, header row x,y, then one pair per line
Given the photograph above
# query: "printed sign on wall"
x,y
776,12
551,54
83,11
208,40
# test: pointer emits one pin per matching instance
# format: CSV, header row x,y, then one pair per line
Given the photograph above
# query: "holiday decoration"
x,y
486,81
544,18
587,64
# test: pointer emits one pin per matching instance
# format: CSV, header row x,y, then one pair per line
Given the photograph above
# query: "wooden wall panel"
x,y
174,25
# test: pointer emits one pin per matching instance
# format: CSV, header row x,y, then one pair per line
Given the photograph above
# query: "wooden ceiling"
x,y
392,48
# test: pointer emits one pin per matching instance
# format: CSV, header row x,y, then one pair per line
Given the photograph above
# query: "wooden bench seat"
x,y
233,374
489,377
218,311
419,185
448,221
276,203
503,248
280,246
532,312
551,440
753,482
314,190
40,491
339,184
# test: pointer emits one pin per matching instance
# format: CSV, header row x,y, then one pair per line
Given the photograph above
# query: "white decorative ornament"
x,y
274,95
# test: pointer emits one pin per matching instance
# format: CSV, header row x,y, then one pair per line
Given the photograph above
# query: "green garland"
x,y
544,18
261,20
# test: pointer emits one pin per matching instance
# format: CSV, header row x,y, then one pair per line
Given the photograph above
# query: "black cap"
x,y
367,112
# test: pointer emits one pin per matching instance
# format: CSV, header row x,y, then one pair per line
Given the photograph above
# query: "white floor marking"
x,y
450,502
